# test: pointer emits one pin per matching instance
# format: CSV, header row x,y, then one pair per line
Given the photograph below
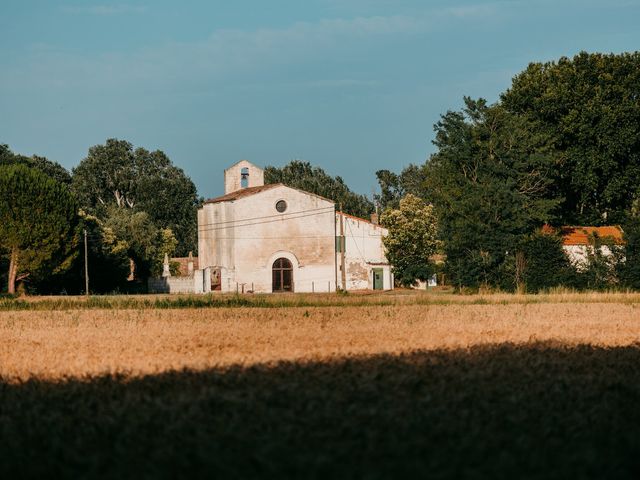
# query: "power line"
x,y
279,216
275,238
260,223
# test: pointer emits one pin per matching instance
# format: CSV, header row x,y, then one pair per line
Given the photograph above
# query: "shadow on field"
x,y
542,410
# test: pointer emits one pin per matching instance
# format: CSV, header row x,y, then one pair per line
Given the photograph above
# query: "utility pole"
x,y
343,247
86,265
335,253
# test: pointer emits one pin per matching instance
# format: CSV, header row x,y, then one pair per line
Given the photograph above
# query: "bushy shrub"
x,y
629,269
601,267
545,263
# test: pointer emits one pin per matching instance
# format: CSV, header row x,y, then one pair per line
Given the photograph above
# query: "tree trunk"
x,y
521,266
13,271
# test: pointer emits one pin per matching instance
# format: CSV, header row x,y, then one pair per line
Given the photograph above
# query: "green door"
x,y
377,279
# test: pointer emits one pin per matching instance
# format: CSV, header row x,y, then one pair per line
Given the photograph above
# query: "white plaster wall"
x,y
578,254
199,282
364,251
244,237
232,176
215,235
431,282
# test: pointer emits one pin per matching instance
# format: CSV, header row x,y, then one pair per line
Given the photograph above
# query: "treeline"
x,y
560,147
134,205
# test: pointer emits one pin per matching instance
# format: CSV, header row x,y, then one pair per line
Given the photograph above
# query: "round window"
x,y
281,206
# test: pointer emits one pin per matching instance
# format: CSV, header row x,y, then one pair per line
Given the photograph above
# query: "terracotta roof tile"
x,y
572,235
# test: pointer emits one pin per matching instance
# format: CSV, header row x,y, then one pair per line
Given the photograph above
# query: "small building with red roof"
x,y
579,241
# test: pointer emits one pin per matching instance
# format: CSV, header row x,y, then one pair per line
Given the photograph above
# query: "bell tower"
x,y
243,174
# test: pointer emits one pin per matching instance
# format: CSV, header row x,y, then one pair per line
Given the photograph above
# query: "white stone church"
x,y
273,238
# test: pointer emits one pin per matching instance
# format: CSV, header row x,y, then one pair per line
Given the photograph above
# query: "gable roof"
x,y
241,161
572,235
246,192
243,192
360,219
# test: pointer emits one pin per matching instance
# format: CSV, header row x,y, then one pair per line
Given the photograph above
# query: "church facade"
x,y
274,238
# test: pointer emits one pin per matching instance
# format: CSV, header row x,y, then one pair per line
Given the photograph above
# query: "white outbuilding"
x,y
581,241
274,238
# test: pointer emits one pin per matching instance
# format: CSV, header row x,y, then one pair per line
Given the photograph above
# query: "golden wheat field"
x,y
313,387
56,344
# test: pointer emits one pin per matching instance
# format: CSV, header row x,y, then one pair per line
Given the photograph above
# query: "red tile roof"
x,y
583,235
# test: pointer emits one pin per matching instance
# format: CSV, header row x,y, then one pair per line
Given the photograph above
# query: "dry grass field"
x,y
372,386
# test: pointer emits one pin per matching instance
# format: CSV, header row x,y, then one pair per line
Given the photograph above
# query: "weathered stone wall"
x,y
244,237
364,251
199,282
171,285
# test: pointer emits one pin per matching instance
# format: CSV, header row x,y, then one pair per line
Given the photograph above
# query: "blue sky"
x,y
352,86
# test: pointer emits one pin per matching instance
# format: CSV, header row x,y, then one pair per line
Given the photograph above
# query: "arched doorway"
x,y
282,275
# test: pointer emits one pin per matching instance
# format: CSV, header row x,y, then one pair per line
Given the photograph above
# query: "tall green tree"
x,y
393,186
412,239
589,106
38,223
303,175
114,174
492,183
52,169
108,257
144,243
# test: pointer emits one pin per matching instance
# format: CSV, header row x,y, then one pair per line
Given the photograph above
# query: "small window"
x,y
281,206
244,177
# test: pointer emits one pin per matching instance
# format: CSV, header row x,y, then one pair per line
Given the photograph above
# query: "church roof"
x,y
243,161
243,192
360,219
246,192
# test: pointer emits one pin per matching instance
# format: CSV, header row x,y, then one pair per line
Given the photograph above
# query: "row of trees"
x,y
560,147
134,205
